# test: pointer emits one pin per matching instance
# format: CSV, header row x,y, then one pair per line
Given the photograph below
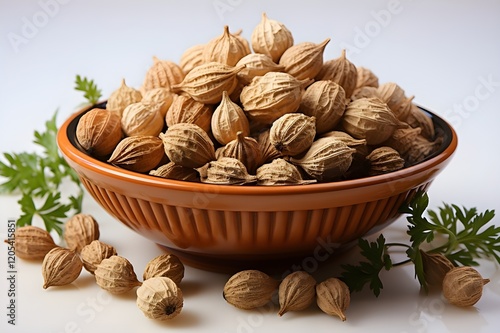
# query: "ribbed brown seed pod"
x,y
280,172
32,243
364,92
342,71
80,230
333,297
138,153
206,82
245,149
417,118
293,133
225,49
159,98
165,265
188,145
383,160
296,292
141,119
249,289
366,78
326,160
420,149
99,131
270,96
324,100
269,152
435,266
122,97
95,252
402,139
463,286
185,109
160,298
227,120
162,74
304,60
175,171
192,57
116,275
256,64
226,171
369,119
271,38
394,96
60,267
243,41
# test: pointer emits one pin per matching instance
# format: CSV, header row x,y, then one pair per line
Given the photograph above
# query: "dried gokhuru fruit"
x,y
116,275
463,286
293,133
80,230
95,252
296,292
99,131
167,265
60,267
333,297
249,289
160,298
31,242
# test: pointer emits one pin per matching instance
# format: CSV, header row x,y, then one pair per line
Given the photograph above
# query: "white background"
x,y
446,53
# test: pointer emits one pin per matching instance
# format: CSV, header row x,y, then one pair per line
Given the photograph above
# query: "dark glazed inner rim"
x,y
442,128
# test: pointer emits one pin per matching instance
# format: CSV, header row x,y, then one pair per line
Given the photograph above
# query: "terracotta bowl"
x,y
226,228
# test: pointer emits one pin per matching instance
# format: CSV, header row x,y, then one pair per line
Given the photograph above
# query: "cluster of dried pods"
x,y
250,289
158,295
279,115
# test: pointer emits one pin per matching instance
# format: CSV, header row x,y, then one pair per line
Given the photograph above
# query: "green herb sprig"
x,y
38,176
466,235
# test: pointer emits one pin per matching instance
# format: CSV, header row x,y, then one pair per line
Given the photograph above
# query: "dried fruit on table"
x,y
185,109
32,243
141,119
342,71
80,230
463,286
257,64
226,49
249,289
304,60
60,267
333,297
192,57
166,265
159,98
116,275
271,38
296,292
94,253
435,266
293,133
162,74
160,298
122,97
227,120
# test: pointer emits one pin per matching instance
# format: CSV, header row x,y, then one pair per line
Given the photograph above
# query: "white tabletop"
x,y
445,53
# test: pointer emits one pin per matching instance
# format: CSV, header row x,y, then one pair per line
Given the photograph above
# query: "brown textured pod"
x,y
369,119
95,252
99,131
342,71
175,171
304,60
80,230
138,153
32,242
296,292
162,74
435,266
207,82
60,267
225,49
185,109
249,289
139,119
383,160
159,98
324,100
293,133
280,172
270,96
257,64
227,120
417,118
421,148
188,145
245,149
116,275
366,78
192,57
333,297
268,150
394,96
165,265
463,286
226,171
402,139
364,92
159,298
271,38
123,97
326,160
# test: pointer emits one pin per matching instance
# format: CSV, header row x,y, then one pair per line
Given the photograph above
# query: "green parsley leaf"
x,y
357,276
92,93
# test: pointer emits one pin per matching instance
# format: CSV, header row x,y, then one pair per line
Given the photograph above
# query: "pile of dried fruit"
x,y
158,295
279,115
